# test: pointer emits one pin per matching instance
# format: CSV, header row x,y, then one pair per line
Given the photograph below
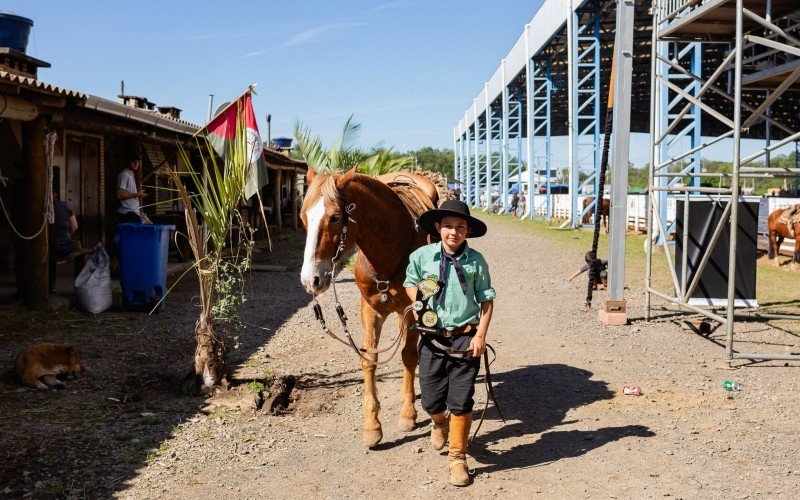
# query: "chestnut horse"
x,y
385,233
778,230
588,217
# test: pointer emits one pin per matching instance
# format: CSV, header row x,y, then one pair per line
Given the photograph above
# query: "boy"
x,y
454,282
600,272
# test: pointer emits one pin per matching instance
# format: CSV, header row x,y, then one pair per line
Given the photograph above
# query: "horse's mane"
x,y
324,188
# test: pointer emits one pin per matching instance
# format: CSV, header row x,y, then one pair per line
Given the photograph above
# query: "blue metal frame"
x,y
480,138
586,108
494,153
512,142
469,162
539,111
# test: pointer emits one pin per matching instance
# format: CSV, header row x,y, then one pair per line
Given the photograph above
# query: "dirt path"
x,y
559,375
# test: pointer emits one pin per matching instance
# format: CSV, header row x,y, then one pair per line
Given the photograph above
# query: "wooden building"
x,y
93,139
286,187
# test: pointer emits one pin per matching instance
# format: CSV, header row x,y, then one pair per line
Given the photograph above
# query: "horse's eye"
x,y
335,218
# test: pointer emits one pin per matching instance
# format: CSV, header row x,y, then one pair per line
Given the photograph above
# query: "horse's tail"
x,y
440,181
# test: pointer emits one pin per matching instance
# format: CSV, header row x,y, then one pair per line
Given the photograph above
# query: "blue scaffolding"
x,y
539,158
585,96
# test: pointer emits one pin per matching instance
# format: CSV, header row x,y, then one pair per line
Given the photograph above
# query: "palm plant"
x,y
344,154
216,195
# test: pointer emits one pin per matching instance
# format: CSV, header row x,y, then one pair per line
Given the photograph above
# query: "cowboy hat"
x,y
455,208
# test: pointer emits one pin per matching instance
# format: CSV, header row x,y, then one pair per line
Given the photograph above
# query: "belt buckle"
x,y
447,333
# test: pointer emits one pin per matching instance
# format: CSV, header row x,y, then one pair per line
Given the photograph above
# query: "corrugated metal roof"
x,y
104,105
39,85
141,115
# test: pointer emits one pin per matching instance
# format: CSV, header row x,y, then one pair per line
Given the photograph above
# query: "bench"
x,y
78,257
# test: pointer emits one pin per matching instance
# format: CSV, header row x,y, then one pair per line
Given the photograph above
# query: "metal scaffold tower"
x,y
755,49
493,158
585,98
480,150
539,138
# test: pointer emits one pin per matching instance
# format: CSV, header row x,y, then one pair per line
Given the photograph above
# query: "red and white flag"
x,y
221,132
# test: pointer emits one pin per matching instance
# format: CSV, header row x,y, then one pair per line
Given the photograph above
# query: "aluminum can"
x,y
631,390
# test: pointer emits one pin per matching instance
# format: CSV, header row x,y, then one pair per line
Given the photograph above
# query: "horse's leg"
x,y
372,322
771,253
796,253
408,414
778,243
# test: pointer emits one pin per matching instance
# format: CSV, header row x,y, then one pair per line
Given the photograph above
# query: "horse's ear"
x,y
310,174
346,177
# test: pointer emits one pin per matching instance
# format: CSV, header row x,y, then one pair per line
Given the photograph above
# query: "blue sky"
x,y
406,69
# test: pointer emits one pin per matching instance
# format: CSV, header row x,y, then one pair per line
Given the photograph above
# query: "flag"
x,y
221,131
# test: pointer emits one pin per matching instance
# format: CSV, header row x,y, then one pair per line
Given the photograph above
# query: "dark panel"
x,y
703,219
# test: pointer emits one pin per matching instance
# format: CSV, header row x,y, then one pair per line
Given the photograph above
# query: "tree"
x,y
343,154
221,292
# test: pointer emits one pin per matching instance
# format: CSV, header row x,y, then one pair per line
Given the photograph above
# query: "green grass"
x,y
257,386
775,287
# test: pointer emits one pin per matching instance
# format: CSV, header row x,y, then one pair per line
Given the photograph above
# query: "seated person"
x,y
60,243
600,270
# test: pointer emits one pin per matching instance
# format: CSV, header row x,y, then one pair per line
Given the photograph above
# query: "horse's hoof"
x,y
372,438
406,424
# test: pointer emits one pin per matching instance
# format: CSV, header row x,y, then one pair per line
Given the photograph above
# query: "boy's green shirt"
x,y
457,309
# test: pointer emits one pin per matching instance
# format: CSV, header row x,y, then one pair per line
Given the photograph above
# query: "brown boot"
x,y
441,427
459,435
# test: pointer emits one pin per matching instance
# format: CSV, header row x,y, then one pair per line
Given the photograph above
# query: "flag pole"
x,y
250,89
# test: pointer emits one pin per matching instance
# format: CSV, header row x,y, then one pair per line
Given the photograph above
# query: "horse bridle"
x,y
337,256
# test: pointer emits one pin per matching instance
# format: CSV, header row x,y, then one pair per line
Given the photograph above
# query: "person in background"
x,y
128,194
600,271
60,242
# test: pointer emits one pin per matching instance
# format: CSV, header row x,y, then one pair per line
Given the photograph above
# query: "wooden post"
x,y
276,200
35,268
293,187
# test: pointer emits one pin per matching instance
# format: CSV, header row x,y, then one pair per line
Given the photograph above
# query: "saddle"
x,y
789,218
417,193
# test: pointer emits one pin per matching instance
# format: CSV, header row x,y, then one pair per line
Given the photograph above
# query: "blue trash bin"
x,y
143,251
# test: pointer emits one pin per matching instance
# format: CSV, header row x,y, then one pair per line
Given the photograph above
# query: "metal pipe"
x,y
766,357
737,144
767,23
648,272
692,308
667,254
705,86
721,92
694,189
685,253
772,147
210,106
694,150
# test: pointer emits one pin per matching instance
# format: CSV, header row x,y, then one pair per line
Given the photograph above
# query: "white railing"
x,y
669,9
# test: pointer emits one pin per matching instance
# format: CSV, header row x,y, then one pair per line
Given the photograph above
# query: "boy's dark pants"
x,y
446,382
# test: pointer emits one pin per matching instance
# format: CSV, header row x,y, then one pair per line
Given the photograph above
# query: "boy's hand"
x,y
477,345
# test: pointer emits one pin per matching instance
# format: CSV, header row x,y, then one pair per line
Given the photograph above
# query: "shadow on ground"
x,y
91,438
535,400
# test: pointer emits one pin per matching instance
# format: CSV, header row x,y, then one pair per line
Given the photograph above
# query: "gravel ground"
x,y
559,375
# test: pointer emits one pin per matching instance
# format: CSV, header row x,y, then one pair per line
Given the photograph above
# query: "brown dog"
x,y
37,366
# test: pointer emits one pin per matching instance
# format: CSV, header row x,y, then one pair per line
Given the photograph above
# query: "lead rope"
x,y
464,354
360,351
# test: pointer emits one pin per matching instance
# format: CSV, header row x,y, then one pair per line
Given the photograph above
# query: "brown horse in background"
x,y
778,230
385,233
588,217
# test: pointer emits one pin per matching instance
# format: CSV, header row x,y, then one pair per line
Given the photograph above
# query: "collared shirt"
x,y
127,182
457,309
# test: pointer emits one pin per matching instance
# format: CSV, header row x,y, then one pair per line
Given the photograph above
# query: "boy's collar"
x,y
462,255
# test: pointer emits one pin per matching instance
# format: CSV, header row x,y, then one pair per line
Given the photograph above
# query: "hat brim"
x,y
428,220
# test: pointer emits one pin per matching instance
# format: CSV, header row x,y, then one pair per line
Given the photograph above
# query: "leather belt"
x,y
461,330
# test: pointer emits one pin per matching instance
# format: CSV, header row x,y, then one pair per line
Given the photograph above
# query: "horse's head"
x,y
324,215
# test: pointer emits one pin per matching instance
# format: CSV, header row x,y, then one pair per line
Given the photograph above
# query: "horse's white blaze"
x,y
310,264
